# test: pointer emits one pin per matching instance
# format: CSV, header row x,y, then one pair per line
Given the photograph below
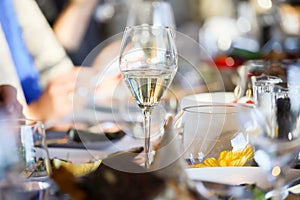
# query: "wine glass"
x,y
273,127
148,63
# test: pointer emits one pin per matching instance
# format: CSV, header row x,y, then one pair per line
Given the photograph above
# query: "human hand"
x,y
56,101
9,105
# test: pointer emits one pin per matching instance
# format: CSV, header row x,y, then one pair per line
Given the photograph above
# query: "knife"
x,y
75,137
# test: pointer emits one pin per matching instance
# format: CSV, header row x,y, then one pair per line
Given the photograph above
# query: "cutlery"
x,y
77,136
294,187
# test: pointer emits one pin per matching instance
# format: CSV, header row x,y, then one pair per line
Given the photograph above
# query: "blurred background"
x,y
231,31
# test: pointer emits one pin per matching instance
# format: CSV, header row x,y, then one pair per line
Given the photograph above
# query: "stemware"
x,y
148,63
273,127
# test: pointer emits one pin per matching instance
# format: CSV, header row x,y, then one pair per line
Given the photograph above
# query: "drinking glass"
x,y
243,89
148,63
24,159
209,129
28,151
273,126
273,71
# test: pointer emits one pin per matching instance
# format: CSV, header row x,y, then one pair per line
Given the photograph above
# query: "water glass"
x,y
24,160
28,156
277,113
263,92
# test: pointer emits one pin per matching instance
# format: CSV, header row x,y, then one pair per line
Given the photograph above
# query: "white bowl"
x,y
207,98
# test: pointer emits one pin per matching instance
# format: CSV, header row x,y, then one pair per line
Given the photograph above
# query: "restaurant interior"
x,y
150,99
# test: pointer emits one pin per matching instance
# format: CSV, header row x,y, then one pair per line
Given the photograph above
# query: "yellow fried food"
x,y
78,169
229,158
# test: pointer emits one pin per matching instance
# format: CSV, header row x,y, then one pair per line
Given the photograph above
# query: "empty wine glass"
x,y
273,127
148,63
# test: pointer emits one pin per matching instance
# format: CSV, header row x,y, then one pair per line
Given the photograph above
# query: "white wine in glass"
x,y
148,85
148,63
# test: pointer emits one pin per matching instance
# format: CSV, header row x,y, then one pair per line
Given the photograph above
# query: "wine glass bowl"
x,y
148,63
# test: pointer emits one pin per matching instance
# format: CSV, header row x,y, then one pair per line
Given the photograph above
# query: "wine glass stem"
x,y
278,188
147,129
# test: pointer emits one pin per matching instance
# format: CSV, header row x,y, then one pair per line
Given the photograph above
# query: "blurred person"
x,y
11,95
73,21
53,70
75,25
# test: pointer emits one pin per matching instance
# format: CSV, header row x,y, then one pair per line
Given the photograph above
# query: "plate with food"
x,y
244,175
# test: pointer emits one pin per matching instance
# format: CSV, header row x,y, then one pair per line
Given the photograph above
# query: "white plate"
x,y
76,155
230,175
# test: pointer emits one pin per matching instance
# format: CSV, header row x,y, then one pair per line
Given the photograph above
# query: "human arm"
x,y
72,23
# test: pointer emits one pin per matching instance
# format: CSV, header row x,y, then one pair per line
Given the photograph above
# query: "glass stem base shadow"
x,y
147,131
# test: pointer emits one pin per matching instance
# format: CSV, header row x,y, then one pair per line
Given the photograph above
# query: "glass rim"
x,y
226,108
152,26
266,80
152,2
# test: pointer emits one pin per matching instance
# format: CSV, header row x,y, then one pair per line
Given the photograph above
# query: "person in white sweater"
x,y
57,74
